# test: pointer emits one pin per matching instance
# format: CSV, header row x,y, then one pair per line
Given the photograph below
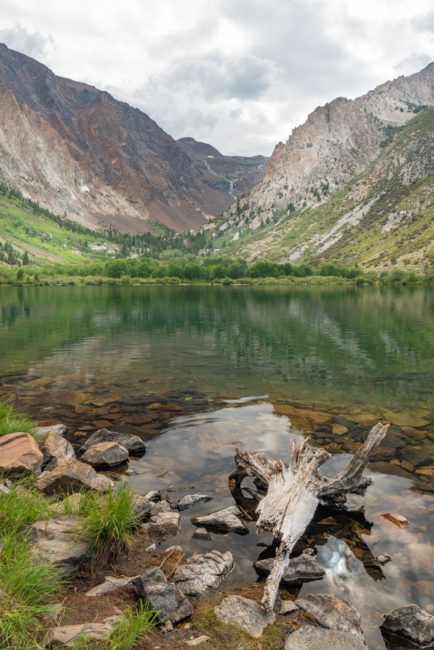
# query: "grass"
x,y
11,421
109,519
21,507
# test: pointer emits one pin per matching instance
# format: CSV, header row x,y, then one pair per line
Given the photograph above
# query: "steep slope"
x,y
232,175
336,142
382,216
76,150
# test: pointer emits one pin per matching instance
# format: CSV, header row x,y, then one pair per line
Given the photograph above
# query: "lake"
x,y
198,371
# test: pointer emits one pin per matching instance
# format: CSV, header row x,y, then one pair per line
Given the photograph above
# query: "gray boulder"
x,y
203,572
332,613
60,429
55,540
316,638
110,584
164,597
164,523
191,499
226,521
105,454
245,614
304,567
56,449
202,533
71,476
68,635
133,443
412,623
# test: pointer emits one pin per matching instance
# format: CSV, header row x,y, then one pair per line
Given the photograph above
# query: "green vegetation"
x,y
133,627
11,421
21,507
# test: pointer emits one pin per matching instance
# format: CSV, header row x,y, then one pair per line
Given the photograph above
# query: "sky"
x,y
239,74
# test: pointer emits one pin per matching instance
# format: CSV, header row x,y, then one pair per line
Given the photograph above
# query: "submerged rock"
x,y
191,499
203,572
332,613
105,454
165,598
67,635
412,623
304,567
133,443
56,541
245,614
226,520
316,638
71,476
56,449
202,533
19,454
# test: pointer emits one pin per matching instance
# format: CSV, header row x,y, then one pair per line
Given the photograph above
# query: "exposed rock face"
x,y
105,454
191,499
56,449
55,540
332,613
411,622
68,635
315,638
163,596
19,453
203,572
244,613
304,567
71,476
131,442
226,520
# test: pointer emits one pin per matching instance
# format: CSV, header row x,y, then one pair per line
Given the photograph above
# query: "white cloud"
x,y
238,74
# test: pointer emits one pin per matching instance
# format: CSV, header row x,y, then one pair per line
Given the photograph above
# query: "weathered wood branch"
x,y
294,491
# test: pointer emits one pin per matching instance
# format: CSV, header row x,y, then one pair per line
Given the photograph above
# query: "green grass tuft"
x,y
21,507
133,627
12,422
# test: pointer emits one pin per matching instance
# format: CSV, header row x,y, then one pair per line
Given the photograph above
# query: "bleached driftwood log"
x,y
294,491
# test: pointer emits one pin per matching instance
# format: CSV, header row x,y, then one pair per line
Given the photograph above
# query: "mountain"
x,y
382,216
234,175
311,180
78,151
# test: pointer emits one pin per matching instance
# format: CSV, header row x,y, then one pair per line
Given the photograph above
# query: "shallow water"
x,y
182,366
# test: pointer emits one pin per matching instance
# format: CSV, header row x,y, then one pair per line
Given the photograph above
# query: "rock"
x,y
152,548
105,454
245,614
165,598
202,533
240,647
198,640
160,506
164,523
191,499
55,540
71,476
316,638
19,453
412,623
55,449
60,429
383,558
226,520
70,505
4,489
339,429
304,567
287,607
397,519
67,635
142,507
167,627
153,495
131,442
332,613
203,572
110,584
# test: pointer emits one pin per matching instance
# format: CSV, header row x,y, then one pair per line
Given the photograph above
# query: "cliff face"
x,y
337,142
77,150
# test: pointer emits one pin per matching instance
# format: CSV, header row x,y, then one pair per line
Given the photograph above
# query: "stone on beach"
x,y
411,622
304,567
56,449
19,454
130,441
105,454
164,597
226,520
203,572
71,476
245,614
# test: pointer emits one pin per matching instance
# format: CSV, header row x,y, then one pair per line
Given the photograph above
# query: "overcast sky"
x,y
239,74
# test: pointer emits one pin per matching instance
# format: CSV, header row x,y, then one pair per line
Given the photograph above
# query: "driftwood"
x,y
294,491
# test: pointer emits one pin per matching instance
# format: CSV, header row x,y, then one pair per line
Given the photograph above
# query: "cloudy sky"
x,y
239,74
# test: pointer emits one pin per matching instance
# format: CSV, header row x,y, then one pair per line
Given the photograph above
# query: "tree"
x,y
26,260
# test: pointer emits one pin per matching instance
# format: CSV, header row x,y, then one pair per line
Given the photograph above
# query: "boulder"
x,y
316,638
55,540
133,443
304,567
19,453
191,499
245,614
55,449
287,607
60,429
68,635
164,523
71,476
226,521
412,623
110,584
203,572
332,613
105,454
165,598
